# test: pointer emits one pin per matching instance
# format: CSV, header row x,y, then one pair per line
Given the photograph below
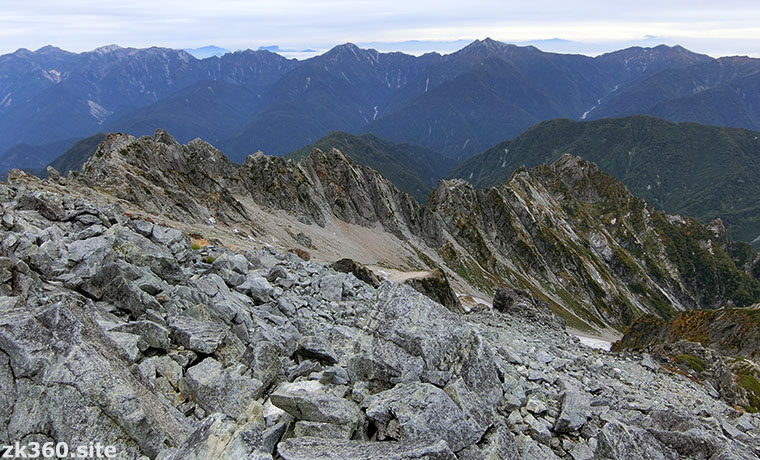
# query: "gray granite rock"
x,y
576,409
218,389
153,334
197,335
80,385
257,287
312,401
497,443
324,449
304,428
219,437
114,328
331,287
421,411
618,441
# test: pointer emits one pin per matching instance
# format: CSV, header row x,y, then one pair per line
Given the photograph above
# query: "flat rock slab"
x,y
153,334
197,335
332,449
309,400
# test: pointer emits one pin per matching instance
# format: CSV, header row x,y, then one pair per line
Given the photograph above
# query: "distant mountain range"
x,y
719,92
51,95
457,104
207,51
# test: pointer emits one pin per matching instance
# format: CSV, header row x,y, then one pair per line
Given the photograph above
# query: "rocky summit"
x,y
118,329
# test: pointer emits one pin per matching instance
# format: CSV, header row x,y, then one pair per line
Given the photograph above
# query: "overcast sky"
x,y
717,28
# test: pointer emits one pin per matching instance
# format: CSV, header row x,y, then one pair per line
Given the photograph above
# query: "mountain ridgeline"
x,y
414,170
568,233
456,104
685,168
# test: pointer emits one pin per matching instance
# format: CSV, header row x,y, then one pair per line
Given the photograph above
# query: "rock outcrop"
x,y
568,233
117,330
716,347
518,302
436,285
358,270
730,331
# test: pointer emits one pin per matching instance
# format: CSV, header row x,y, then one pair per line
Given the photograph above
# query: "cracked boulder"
x,y
422,412
215,388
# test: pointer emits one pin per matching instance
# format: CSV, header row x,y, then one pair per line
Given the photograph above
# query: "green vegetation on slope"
x,y
706,269
684,168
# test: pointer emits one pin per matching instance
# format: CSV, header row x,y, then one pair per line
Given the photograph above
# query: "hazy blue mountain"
x,y
207,51
343,89
719,92
456,104
490,91
75,93
51,94
32,158
211,110
468,113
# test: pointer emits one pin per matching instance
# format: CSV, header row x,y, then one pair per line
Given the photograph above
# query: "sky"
x,y
731,27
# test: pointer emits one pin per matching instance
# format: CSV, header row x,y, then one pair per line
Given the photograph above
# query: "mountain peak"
x,y
324,156
660,50
349,51
22,52
47,49
489,47
345,47
487,43
107,49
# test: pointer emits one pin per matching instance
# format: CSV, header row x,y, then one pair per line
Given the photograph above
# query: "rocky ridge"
x,y
567,232
116,329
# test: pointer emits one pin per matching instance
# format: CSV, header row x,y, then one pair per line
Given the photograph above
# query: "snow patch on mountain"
x,y
98,112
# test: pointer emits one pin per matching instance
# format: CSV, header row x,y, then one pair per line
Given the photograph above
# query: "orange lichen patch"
x,y
693,326
681,372
131,216
197,242
675,370
301,253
